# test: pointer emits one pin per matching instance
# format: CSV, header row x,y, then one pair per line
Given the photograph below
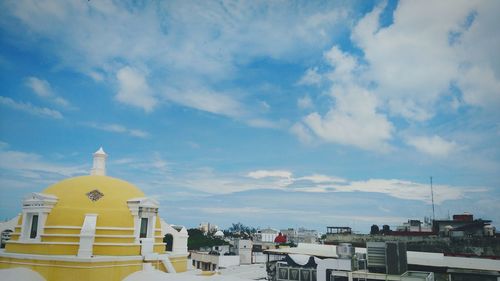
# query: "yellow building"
x,y
93,227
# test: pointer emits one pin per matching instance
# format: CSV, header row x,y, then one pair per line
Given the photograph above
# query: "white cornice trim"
x,y
60,235
116,244
71,266
113,228
62,227
113,236
43,242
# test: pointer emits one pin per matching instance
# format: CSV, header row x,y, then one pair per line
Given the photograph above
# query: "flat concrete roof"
x,y
414,258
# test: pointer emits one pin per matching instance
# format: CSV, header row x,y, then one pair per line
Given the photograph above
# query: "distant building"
x,y
219,249
207,227
415,227
380,261
266,235
219,234
280,239
338,230
243,248
222,256
300,235
211,262
463,225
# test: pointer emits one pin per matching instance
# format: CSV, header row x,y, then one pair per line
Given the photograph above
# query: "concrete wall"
x,y
481,246
218,261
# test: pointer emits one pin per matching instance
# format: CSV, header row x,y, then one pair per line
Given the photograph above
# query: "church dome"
x,y
92,227
89,215
102,195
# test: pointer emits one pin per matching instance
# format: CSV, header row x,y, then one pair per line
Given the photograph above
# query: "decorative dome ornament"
x,y
95,195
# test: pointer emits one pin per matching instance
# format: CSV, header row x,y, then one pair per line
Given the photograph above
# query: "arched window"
x,y
5,237
169,240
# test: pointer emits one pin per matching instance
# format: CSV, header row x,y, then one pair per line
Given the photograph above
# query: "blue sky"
x,y
281,113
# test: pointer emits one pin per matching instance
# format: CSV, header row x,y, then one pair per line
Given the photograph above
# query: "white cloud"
x,y
406,190
305,102
302,132
434,146
311,77
117,128
354,119
319,178
265,106
43,89
480,87
31,109
134,89
206,100
364,128
19,161
414,61
40,87
265,123
259,174
175,41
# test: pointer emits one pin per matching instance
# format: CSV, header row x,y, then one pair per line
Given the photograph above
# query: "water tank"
x,y
345,251
489,230
447,230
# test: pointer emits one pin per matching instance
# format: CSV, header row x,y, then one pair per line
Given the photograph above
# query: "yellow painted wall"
x,y
114,239
180,264
129,250
74,239
61,231
76,271
114,232
41,249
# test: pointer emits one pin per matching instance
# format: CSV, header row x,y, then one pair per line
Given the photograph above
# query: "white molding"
x,y
113,228
114,236
63,227
115,244
43,242
87,235
72,266
60,235
176,255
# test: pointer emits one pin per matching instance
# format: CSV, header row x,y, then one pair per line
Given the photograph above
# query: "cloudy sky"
x,y
271,113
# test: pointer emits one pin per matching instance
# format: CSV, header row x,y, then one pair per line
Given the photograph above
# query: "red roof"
x,y
280,238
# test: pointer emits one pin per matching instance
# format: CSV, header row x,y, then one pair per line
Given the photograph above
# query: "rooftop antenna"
x,y
432,197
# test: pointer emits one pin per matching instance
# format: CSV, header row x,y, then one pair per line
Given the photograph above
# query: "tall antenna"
x,y
432,197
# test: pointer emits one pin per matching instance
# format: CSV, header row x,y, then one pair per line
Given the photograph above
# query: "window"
x,y
144,228
34,226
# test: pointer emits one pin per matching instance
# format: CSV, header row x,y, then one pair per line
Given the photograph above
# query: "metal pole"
x,y
432,197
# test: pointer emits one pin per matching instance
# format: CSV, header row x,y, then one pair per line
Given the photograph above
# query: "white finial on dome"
x,y
99,166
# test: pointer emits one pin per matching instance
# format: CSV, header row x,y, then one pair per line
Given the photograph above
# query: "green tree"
x,y
197,240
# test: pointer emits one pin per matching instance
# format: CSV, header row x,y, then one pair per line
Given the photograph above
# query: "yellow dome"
x,y
74,201
102,197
